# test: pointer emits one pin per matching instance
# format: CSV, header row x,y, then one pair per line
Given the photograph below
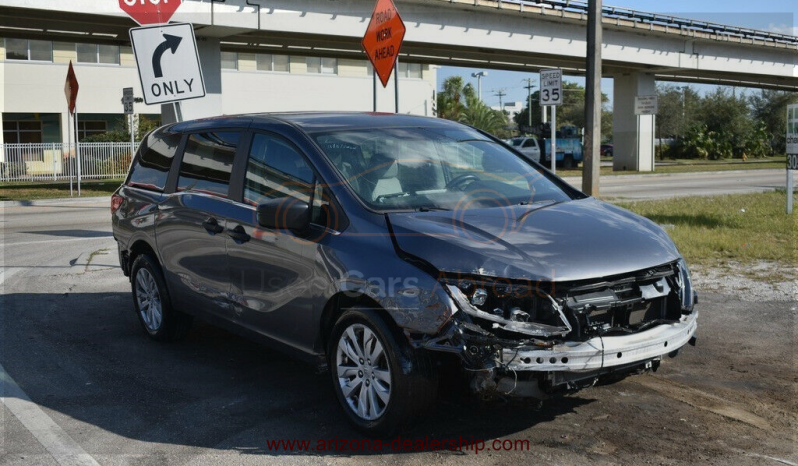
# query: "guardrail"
x,y
663,20
58,161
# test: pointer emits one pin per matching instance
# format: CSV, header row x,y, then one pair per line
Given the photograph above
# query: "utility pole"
x,y
529,88
479,75
500,93
592,160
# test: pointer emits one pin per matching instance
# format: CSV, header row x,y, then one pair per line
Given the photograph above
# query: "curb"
x,y
61,201
684,174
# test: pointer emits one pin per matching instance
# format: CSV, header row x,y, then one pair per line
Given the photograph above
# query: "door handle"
x,y
239,235
212,226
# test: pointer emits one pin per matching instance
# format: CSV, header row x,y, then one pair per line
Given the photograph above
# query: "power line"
x,y
500,93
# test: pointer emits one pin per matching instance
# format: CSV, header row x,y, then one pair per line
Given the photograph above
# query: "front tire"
x,y
381,383
152,303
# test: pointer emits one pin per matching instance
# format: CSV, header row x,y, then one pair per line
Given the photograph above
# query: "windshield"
x,y
401,169
515,142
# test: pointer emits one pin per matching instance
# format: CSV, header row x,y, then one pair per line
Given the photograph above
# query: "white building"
x,y
512,108
33,74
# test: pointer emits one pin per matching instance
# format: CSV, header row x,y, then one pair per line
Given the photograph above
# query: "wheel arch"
x,y
339,303
137,248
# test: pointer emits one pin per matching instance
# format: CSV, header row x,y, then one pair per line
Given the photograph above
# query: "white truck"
x,y
526,145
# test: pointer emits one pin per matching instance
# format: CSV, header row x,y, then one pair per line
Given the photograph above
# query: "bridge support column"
x,y
210,54
633,136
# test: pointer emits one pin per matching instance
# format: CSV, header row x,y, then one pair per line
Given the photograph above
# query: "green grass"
x,y
720,230
23,191
687,166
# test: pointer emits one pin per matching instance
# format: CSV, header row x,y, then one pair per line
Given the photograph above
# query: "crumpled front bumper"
x,y
603,352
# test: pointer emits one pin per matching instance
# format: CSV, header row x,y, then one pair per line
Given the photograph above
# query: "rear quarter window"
x,y
151,167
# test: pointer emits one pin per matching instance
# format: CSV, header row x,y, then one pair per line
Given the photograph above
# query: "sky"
x,y
770,15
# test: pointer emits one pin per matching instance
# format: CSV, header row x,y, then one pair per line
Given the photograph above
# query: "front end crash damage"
x,y
533,339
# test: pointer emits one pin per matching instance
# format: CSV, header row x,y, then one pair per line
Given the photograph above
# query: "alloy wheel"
x,y
149,299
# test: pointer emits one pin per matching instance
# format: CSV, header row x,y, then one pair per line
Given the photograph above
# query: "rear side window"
x,y
151,167
208,162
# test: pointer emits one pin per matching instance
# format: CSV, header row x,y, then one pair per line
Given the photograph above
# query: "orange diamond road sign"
x,y
71,88
384,38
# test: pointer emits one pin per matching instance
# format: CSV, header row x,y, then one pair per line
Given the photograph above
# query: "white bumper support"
x,y
601,352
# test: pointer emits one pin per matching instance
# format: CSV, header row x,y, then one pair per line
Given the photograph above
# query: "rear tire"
x,y
400,383
152,302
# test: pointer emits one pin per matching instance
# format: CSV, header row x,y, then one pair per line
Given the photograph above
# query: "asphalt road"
x,y
660,186
83,385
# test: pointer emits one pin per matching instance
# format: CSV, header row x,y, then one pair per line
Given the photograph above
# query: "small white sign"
x,y
128,100
551,87
646,105
792,129
168,63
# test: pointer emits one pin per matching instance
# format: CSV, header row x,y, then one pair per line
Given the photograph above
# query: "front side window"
x,y
276,170
151,167
208,162
404,169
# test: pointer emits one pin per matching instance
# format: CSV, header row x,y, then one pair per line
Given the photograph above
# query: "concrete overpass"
x,y
639,48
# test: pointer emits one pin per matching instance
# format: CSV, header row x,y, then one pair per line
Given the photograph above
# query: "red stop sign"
x,y
150,11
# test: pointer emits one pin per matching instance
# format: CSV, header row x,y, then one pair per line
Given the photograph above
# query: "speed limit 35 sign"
x,y
551,87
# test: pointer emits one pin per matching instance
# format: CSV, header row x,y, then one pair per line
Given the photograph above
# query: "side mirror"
x,y
287,213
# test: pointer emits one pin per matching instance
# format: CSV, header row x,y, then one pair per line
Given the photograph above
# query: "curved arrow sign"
x,y
168,63
171,43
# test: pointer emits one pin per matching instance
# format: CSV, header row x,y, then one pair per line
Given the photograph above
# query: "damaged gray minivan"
x,y
387,249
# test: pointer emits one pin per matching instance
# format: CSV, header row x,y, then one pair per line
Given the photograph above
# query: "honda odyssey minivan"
x,y
389,250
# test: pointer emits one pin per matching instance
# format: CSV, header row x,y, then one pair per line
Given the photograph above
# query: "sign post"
x,y
71,88
166,54
551,94
382,42
792,152
647,105
127,103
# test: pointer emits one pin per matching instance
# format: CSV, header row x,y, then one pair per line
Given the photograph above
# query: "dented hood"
x,y
573,240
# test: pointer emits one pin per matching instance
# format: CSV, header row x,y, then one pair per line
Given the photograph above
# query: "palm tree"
x,y
479,115
459,102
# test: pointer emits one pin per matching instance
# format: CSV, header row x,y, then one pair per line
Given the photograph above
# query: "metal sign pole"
x,y
554,139
77,147
69,150
375,87
790,188
132,137
396,83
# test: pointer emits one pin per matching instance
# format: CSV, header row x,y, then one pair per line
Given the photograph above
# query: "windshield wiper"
x,y
431,209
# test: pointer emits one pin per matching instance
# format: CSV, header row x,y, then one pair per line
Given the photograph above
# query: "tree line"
x,y
723,123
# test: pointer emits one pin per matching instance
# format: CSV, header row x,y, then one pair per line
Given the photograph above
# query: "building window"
x,y
22,132
268,62
94,53
229,61
33,50
410,70
322,65
281,63
90,128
